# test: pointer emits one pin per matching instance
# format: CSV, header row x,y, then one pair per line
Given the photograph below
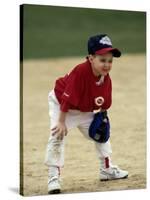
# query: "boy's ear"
x,y
91,57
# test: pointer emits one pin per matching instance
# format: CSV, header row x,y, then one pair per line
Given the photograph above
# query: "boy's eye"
x,y
110,61
105,60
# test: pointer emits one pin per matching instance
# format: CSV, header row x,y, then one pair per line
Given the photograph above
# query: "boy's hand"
x,y
60,130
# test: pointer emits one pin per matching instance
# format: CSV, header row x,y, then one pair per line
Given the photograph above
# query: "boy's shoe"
x,y
54,185
112,173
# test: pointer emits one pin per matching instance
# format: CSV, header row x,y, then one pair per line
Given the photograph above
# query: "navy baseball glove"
x,y
99,129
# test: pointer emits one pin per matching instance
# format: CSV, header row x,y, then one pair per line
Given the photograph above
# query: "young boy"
x,y
71,104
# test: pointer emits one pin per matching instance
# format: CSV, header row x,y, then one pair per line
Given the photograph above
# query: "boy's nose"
x,y
106,65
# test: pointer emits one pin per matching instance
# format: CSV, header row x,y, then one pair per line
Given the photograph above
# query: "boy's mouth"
x,y
105,70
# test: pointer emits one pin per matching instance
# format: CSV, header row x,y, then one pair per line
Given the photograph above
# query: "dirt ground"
x,y
128,128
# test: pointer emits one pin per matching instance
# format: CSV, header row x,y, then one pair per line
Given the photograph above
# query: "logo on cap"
x,y
105,40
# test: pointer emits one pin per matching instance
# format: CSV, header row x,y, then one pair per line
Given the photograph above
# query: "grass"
x,y
51,31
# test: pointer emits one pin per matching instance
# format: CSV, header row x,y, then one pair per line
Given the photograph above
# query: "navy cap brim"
x,y
116,52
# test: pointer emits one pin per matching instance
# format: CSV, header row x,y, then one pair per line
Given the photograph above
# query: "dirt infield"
x,y
128,128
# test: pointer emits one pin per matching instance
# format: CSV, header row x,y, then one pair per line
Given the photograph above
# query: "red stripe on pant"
x,y
58,171
107,162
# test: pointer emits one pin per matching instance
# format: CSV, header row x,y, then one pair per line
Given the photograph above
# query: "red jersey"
x,y
81,90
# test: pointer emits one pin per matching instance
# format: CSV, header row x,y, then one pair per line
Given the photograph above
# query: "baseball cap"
x,y
101,44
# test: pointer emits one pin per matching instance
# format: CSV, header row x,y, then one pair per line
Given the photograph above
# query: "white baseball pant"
x,y
74,118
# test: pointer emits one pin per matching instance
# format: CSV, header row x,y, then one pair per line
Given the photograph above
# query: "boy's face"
x,y
101,64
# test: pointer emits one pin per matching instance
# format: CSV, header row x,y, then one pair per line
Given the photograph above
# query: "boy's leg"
x,y
54,158
107,170
55,148
55,151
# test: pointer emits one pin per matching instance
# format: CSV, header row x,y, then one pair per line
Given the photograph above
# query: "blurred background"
x,y
51,31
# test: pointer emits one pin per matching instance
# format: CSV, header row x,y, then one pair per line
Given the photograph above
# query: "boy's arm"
x,y
60,129
62,117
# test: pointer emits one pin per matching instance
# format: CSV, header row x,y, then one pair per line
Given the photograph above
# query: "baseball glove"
x,y
99,129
